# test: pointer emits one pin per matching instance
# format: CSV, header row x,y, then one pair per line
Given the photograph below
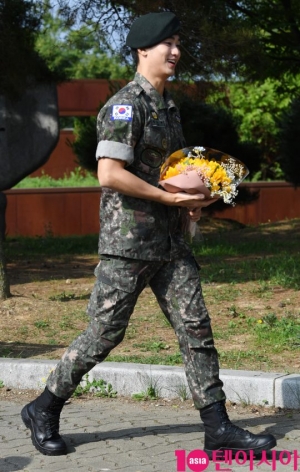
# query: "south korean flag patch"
x,y
122,112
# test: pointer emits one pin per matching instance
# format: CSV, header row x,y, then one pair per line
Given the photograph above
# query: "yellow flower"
x,y
220,177
171,172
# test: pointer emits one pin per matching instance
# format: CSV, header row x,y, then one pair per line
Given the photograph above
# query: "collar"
x,y
158,100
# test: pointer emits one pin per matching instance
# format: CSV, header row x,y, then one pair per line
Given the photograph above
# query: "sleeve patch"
x,y
122,112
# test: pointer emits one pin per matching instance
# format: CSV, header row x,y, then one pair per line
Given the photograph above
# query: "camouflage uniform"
x,y
131,227
141,243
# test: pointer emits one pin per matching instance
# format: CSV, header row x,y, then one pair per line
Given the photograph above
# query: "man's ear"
x,y
142,52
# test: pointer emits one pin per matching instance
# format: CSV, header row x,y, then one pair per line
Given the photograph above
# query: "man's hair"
x,y
135,57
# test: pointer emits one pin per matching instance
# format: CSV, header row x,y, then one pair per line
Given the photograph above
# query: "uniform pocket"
x,y
197,264
118,273
114,294
155,136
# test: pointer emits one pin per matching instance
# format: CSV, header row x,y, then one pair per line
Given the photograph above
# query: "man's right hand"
x,y
113,174
183,199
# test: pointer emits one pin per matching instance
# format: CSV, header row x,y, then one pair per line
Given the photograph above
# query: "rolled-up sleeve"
x,y
118,128
115,150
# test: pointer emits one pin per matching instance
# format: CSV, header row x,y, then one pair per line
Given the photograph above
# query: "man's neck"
x,y
157,82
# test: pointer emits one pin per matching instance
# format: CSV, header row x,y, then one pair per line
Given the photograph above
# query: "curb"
x,y
241,386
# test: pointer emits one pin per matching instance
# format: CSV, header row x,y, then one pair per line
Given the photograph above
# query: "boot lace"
x,y
53,417
52,426
224,419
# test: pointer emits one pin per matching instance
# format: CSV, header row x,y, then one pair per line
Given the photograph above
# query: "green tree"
x,y
257,108
276,26
289,141
19,25
22,68
77,52
250,38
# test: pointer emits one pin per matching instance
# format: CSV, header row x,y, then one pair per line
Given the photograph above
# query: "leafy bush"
x,y
213,126
289,138
85,143
258,107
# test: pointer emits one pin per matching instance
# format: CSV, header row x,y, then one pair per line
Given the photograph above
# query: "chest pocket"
x,y
155,137
177,136
154,148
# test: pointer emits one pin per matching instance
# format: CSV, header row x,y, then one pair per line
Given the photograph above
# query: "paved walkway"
x,y
121,435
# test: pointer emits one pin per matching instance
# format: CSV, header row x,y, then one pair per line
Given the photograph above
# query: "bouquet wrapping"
x,y
203,170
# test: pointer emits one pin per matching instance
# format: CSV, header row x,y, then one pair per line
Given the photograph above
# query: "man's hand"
x,y
113,174
192,201
195,214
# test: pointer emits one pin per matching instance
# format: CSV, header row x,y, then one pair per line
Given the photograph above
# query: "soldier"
x,y
141,243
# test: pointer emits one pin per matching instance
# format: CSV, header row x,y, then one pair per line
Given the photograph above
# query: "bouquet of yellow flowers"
x,y
203,170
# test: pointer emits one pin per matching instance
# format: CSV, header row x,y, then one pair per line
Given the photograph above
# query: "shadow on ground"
x,y
26,350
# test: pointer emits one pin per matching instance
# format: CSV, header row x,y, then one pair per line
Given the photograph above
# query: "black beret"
x,y
151,29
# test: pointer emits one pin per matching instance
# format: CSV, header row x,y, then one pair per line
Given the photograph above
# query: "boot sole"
x,y
28,423
258,450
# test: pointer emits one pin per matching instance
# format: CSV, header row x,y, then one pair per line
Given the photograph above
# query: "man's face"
x,y
164,56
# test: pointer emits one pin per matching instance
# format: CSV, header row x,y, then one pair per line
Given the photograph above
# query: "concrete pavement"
x,y
122,435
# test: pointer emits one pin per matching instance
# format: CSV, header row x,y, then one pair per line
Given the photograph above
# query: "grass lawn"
x,y
250,278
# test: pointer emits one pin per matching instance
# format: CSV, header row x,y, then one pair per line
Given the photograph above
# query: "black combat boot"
x,y
42,417
221,434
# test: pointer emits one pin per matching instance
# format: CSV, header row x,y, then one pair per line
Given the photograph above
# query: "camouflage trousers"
x,y
176,285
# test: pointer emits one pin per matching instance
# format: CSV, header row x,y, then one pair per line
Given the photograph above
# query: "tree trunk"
x,y
4,281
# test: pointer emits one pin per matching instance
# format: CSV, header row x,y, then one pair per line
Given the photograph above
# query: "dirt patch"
x,y
48,309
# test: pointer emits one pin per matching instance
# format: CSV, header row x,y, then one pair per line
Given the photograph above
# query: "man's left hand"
x,y
195,214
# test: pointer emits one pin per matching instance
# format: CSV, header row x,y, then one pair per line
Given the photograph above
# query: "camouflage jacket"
x,y
143,128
